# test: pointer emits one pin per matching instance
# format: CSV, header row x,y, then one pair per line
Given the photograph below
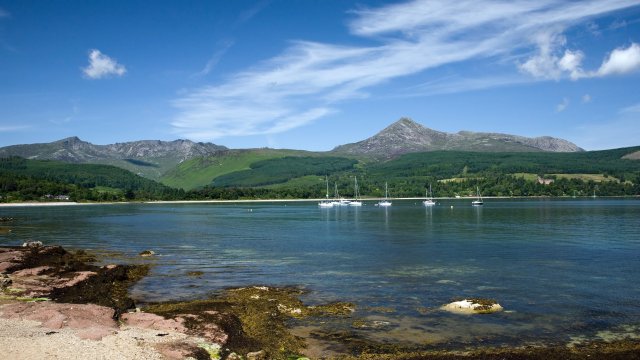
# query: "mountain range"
x,y
188,164
406,136
148,158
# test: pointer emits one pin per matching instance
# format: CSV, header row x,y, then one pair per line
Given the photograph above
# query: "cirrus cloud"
x,y
309,80
101,66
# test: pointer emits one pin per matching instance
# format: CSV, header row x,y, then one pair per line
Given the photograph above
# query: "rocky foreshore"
x,y
49,295
56,304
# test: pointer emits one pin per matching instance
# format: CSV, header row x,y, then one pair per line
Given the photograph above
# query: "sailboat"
x,y
326,203
386,201
337,199
478,201
355,202
429,198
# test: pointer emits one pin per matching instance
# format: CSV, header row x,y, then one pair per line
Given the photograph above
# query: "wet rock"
x,y
257,355
182,350
107,287
5,281
147,253
365,324
10,258
32,244
473,306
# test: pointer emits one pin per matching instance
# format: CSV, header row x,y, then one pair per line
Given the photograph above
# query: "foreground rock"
x,y
52,272
473,306
90,305
64,292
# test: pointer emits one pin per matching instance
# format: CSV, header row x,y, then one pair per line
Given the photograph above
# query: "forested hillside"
x,y
22,179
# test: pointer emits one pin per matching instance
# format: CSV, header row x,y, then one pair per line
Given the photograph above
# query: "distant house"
x,y
544,181
57,197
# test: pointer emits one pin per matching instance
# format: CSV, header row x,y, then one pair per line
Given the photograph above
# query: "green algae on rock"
x,y
254,319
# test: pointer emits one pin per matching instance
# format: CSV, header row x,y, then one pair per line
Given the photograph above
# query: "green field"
x,y
200,172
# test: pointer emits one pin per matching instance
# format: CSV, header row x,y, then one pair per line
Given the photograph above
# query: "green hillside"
x,y
202,171
277,171
22,179
447,164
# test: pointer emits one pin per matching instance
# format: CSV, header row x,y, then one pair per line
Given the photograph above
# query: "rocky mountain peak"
x,y
406,136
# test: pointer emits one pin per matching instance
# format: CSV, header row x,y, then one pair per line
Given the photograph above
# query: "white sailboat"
x,y
429,198
338,201
386,201
355,202
326,203
478,201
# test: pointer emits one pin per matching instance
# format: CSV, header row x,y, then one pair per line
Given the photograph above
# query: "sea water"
x,y
564,270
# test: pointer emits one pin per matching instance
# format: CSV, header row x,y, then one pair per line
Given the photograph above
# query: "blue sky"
x,y
314,74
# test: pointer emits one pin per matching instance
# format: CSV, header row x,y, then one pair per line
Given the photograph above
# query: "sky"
x,y
314,74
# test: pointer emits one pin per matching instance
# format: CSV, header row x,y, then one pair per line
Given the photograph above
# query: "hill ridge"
x,y
407,136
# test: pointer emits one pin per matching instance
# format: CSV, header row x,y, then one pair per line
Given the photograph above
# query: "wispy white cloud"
x,y
633,109
101,66
563,105
4,13
586,98
617,24
223,47
14,128
252,12
309,79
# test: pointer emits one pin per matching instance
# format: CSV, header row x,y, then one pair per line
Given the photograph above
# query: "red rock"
x,y
32,271
153,321
5,265
79,277
176,351
90,321
10,255
214,334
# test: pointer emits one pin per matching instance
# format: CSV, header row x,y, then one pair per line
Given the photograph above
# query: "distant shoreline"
x,y
246,201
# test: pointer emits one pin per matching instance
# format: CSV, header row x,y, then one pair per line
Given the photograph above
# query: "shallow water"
x,y
562,269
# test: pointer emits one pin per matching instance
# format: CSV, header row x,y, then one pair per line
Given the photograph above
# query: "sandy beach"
x,y
28,340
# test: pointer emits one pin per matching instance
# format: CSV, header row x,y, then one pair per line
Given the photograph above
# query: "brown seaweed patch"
x,y
108,287
621,350
253,318
70,277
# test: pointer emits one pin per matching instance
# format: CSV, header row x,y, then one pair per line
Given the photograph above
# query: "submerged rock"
x,y
147,253
473,306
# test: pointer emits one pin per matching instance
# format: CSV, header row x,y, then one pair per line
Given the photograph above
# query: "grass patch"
x,y
199,172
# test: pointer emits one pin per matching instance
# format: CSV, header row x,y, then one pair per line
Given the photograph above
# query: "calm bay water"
x,y
562,269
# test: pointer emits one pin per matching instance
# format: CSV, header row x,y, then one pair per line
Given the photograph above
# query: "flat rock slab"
x,y
90,321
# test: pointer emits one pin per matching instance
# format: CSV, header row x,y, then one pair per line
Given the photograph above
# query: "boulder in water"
x,y
473,306
147,253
